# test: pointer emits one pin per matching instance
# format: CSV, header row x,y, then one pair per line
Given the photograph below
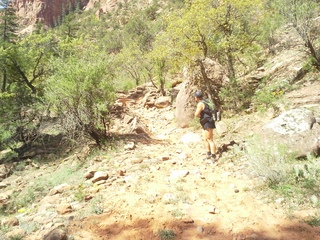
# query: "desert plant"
x,y
268,160
166,234
16,237
177,213
96,204
29,227
79,193
313,221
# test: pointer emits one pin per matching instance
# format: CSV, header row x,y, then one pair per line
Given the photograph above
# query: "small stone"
x,y
236,190
200,229
165,158
64,208
136,160
212,210
188,221
121,173
129,146
98,176
314,199
56,234
12,221
280,200
179,174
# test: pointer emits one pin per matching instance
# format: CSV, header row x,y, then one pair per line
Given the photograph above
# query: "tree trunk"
x,y
4,81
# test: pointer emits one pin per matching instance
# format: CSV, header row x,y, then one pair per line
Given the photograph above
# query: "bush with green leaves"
x,y
269,93
313,220
82,91
166,234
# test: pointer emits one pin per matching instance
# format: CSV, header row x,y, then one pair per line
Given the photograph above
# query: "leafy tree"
x,y
302,14
218,29
26,67
69,27
81,90
222,30
112,42
8,20
159,64
8,28
138,30
235,29
130,64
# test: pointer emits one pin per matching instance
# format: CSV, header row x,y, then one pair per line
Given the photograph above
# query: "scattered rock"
x,y
130,146
165,158
12,221
89,174
314,199
17,233
56,234
178,174
200,229
163,101
59,189
5,196
64,208
136,160
98,176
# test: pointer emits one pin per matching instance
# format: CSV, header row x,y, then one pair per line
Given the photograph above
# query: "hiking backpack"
x,y
215,112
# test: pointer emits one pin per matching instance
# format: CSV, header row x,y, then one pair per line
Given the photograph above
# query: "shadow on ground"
x,y
104,227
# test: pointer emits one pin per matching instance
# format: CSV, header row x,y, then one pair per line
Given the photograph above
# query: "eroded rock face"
x,y
45,11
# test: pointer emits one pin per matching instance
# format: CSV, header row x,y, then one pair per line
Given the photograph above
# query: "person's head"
x,y
198,95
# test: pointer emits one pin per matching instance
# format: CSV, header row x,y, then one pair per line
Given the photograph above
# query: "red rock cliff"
x,y
45,11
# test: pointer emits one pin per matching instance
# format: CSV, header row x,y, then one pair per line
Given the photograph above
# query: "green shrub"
x,y
166,234
313,221
81,90
268,161
268,94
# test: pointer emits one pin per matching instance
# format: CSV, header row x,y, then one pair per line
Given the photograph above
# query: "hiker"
x,y
205,114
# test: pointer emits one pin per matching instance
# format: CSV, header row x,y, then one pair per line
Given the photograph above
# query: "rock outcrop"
x,y
47,12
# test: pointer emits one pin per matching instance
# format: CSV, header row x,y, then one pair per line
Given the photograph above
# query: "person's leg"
x,y
209,143
206,142
213,147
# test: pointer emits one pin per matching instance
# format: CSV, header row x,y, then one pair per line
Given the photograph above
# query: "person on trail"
x,y
207,122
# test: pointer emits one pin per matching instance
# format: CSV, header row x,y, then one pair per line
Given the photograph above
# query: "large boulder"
x,y
298,130
208,76
185,104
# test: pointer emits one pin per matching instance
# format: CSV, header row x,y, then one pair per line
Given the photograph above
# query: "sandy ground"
x,y
168,188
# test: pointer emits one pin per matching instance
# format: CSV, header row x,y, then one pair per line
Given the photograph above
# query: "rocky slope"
x,y
157,183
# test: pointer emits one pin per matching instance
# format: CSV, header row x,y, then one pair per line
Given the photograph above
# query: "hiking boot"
x,y
208,156
214,158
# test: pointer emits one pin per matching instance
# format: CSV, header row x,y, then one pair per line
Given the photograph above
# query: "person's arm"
x,y
200,107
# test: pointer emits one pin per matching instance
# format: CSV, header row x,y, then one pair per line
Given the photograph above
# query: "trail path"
x,y
164,184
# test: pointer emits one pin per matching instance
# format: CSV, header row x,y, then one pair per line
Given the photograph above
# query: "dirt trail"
x,y
167,186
